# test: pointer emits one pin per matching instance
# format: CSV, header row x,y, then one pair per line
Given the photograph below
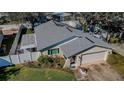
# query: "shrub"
x,y
49,61
45,59
114,40
59,61
32,64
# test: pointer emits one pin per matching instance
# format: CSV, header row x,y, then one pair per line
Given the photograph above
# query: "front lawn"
x,y
25,73
117,63
45,74
45,69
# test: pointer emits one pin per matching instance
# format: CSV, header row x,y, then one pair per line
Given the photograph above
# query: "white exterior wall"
x,y
93,57
97,54
15,59
25,57
77,61
67,63
35,55
19,58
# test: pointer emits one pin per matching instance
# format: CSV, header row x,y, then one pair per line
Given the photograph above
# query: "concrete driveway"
x,y
98,72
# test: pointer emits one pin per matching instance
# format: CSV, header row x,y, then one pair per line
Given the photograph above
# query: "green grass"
x,y
29,31
117,63
6,72
42,74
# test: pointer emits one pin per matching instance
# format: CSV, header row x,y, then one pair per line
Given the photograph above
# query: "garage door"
x,y
89,58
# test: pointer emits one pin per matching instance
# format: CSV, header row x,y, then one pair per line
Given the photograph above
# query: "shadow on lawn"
x,y
6,72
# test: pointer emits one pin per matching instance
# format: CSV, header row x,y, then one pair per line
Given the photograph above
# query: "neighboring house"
x,y
10,26
67,19
61,16
9,30
75,46
74,24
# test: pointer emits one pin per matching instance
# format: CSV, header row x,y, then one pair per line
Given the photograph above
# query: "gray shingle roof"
x,y
49,34
76,46
82,44
28,41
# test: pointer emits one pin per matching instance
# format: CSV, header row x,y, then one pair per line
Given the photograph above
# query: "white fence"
x,y
19,58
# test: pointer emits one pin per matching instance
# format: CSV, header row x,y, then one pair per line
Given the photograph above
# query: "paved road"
x,y
118,48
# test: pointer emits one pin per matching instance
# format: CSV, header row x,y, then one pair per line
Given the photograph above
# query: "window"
x,y
53,51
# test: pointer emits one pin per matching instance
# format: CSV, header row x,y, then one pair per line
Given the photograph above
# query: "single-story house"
x,y
75,46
